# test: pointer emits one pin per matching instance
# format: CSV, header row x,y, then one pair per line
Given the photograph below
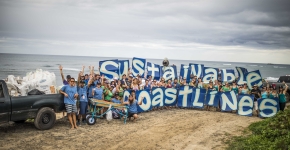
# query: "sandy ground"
x,y
162,129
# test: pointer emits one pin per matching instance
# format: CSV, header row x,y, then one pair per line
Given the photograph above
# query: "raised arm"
x,y
61,73
83,69
79,78
286,88
140,103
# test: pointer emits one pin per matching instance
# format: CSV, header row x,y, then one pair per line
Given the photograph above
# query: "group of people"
x,y
78,92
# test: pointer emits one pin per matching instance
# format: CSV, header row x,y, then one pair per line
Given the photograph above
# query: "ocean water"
x,y
20,64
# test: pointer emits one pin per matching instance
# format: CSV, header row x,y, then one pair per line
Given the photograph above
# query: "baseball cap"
x,y
130,75
115,78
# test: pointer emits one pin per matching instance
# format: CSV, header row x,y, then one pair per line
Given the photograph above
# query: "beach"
x,y
162,129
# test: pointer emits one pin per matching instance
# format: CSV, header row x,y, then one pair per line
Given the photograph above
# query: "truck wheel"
x,y
91,120
45,119
20,121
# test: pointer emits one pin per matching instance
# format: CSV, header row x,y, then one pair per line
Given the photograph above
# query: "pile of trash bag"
x,y
43,81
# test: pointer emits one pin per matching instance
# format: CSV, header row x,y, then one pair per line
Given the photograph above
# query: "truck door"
x,y
4,105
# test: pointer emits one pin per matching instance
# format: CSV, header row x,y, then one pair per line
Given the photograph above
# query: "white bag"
x,y
109,115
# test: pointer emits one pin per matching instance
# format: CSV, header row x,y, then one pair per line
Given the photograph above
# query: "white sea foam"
x,y
72,69
253,65
227,64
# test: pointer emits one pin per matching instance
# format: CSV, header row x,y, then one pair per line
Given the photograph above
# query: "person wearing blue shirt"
x,y
91,86
175,84
83,101
70,94
97,92
132,110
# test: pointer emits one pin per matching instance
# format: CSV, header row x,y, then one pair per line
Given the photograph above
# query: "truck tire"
x,y
45,118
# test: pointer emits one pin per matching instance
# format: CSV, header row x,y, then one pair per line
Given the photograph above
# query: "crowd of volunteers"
x,y
78,92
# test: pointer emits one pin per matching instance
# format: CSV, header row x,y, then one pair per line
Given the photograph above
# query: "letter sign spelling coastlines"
x,y
245,105
184,97
198,96
228,101
157,97
138,66
268,107
109,68
146,104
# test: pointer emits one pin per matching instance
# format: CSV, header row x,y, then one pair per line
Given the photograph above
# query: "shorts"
x,y
70,108
83,108
256,105
131,114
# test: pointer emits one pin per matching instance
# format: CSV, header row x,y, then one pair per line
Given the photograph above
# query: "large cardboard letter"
x,y
138,66
109,68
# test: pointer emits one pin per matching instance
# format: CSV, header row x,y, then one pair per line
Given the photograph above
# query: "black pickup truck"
x,y
41,108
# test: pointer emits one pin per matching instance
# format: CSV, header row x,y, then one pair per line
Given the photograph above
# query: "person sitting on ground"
x,y
132,110
70,94
83,101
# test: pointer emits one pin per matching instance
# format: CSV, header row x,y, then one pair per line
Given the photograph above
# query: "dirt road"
x,y
163,129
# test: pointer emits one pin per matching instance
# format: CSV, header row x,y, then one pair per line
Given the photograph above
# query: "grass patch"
x,y
271,133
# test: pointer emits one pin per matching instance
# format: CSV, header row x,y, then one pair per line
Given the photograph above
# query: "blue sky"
x,y
225,30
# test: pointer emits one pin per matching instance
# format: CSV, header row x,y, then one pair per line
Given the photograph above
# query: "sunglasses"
x,y
72,81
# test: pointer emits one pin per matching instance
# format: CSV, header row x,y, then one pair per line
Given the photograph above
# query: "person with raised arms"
x,y
65,82
282,97
132,110
70,94
83,99
118,89
135,85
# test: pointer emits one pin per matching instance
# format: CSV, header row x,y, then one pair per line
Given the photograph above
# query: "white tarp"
x,y
42,80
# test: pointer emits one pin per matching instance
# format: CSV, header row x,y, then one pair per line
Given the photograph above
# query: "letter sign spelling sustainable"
x,y
109,68
138,66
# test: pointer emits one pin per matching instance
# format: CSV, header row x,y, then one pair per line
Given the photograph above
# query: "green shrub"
x,y
271,133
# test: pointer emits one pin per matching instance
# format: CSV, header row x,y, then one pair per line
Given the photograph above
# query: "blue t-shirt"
x,y
98,93
86,81
96,82
177,85
147,87
114,100
133,107
70,91
90,93
82,91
